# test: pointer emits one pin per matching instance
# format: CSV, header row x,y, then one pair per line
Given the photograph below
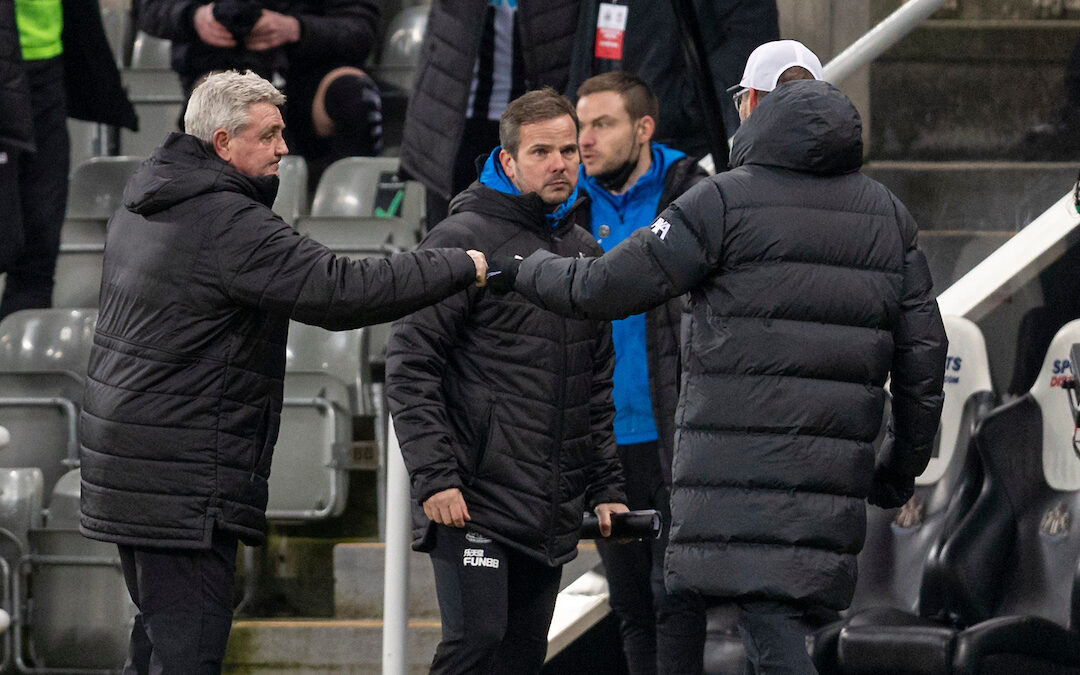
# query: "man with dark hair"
x,y
184,393
628,180
504,411
807,291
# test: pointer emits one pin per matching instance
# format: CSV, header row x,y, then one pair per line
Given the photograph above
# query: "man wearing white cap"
x,y
807,291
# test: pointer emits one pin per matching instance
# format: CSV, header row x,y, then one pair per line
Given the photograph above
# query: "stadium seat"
x,y
400,53
292,195
900,543
97,186
363,187
78,265
321,397
64,635
155,91
149,52
43,360
1008,574
357,237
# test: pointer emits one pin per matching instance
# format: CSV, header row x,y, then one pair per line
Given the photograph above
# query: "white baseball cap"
x,y
769,61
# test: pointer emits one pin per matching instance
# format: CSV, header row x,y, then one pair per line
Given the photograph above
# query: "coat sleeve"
x,y
264,263
345,31
664,260
169,19
416,359
606,482
918,367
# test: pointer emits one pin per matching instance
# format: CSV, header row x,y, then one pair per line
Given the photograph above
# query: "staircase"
x,y
952,108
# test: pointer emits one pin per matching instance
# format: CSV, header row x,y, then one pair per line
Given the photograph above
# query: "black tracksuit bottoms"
x,y
185,601
496,605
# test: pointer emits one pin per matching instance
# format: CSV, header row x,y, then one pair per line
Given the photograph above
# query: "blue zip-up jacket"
x,y
614,218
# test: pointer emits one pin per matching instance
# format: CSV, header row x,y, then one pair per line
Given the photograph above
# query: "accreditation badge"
x,y
610,30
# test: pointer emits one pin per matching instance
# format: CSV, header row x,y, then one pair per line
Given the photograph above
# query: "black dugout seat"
x,y
900,542
1008,576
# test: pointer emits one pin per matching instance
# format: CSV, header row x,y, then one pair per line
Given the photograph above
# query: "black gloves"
x,y
890,489
502,272
238,16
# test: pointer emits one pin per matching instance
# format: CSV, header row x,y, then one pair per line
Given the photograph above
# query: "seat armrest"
x,y
1023,635
925,649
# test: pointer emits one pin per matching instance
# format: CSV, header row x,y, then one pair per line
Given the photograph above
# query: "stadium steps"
x,y
351,640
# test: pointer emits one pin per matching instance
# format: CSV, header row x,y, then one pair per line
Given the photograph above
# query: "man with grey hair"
x,y
184,393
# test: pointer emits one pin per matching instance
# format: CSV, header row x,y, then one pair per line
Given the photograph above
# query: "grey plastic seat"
x,y
97,186
87,140
401,50
368,187
78,266
313,452
149,52
116,20
43,360
358,237
291,202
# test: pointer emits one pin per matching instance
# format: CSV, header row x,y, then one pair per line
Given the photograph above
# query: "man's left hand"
x,y
273,30
603,515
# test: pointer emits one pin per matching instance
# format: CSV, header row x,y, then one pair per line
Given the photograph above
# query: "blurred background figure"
x,y
313,51
54,62
477,56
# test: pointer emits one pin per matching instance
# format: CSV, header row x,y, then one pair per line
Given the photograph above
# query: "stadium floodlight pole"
x,y
697,63
880,38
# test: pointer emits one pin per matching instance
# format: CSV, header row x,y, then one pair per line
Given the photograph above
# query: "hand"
x,y
210,29
481,266
889,489
447,508
503,273
273,30
603,515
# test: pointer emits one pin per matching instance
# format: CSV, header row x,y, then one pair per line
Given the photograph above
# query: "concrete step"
x,y
322,647
358,579
961,89
976,196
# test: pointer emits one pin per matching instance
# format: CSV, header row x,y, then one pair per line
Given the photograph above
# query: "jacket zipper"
x,y
560,379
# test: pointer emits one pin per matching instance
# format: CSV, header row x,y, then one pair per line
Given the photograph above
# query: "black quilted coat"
x,y
507,402
184,392
807,290
435,118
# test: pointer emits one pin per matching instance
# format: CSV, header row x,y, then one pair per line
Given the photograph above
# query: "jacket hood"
x,y
183,167
806,125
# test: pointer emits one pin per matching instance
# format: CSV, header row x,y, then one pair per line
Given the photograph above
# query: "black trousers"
x,y
33,195
661,632
185,602
496,605
774,635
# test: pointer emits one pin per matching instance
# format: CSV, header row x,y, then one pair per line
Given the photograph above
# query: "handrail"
x,y
880,38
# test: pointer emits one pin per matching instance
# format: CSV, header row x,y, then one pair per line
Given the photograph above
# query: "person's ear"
x,y
646,127
753,97
508,164
220,140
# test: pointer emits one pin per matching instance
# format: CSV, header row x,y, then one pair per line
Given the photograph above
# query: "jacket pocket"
x,y
483,438
263,438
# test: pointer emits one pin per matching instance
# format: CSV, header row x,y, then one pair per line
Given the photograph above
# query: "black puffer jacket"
x,y
435,118
184,391
507,402
807,289
332,33
663,324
